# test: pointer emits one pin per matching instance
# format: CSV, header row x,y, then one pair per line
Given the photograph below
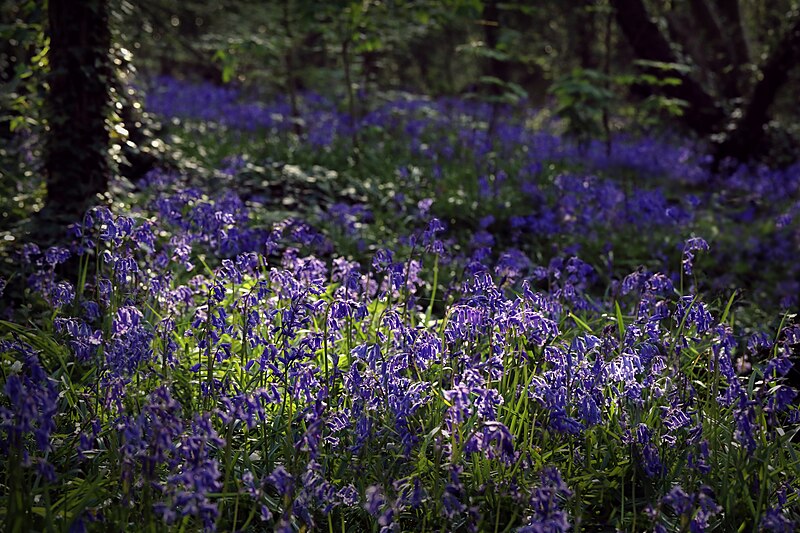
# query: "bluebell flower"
x,y
744,433
452,504
659,283
651,460
565,424
634,282
62,294
84,341
779,399
677,498
348,495
546,514
690,248
778,366
674,418
56,255
150,436
411,492
130,345
281,480
126,319
374,500
195,475
460,403
430,239
589,410
775,521
32,402
693,312
699,461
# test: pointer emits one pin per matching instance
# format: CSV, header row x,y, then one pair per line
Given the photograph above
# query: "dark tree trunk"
x,y
746,140
583,34
351,96
291,76
76,160
731,15
726,44
495,67
703,115
722,60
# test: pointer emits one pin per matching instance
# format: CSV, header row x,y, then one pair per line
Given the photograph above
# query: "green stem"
x,y
429,312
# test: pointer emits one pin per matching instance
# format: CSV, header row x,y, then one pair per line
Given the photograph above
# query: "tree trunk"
x,y
495,67
291,76
723,59
703,115
491,30
351,97
731,15
583,33
746,140
76,159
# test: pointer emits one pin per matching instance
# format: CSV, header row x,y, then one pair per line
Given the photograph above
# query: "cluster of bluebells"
x,y
547,503
326,356
218,373
586,202
30,410
695,510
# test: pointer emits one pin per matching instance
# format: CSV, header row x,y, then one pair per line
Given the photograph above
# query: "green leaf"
x,y
660,65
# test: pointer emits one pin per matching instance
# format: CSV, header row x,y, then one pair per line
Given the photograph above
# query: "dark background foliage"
x,y
723,70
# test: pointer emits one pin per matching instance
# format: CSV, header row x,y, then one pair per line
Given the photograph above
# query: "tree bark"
x,y
76,158
351,97
723,60
583,33
731,14
746,140
291,76
495,67
703,115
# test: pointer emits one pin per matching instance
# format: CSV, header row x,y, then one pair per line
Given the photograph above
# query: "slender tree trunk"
x,y
607,80
351,97
289,60
450,43
139,155
745,139
76,160
583,32
495,67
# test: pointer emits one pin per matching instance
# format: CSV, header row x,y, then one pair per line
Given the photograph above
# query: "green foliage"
x,y
25,49
582,101
23,66
585,98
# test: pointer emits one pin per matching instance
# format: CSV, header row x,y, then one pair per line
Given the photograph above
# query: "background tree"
x,y
725,108
748,135
76,157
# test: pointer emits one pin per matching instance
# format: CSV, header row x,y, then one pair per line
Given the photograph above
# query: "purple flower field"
x,y
403,323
